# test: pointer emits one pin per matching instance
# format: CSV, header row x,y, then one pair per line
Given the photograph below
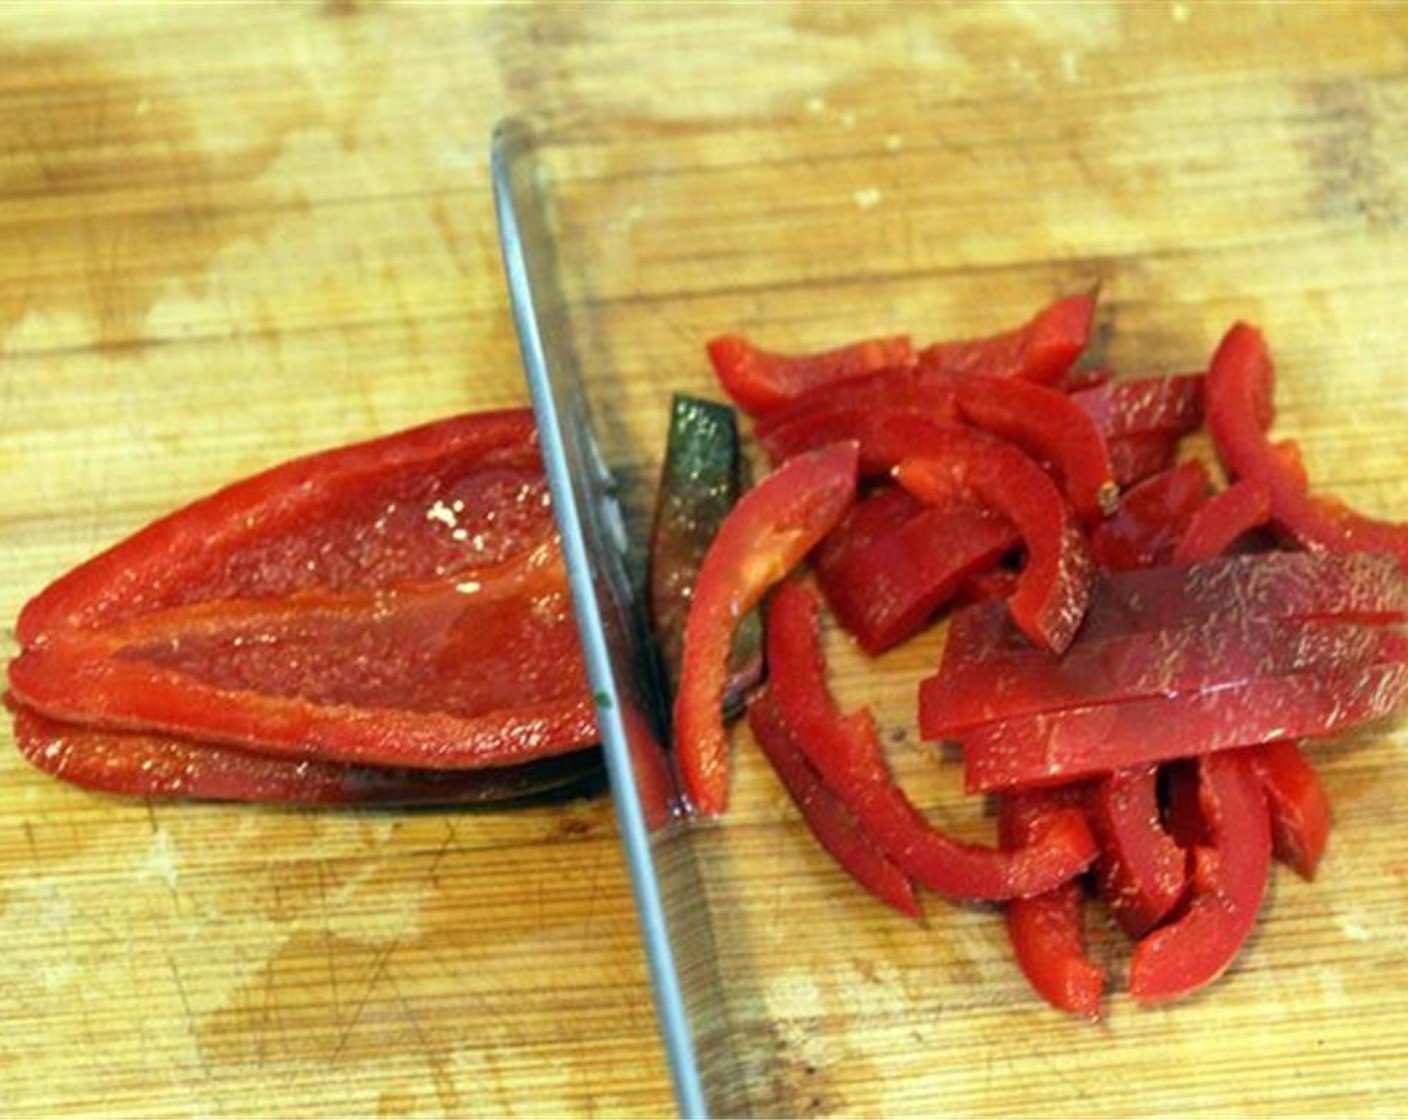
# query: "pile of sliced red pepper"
x,y
1134,658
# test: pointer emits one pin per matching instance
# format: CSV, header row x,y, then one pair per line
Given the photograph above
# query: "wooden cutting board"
x,y
229,234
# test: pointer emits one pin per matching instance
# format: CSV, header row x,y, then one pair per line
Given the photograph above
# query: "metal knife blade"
x,y
670,904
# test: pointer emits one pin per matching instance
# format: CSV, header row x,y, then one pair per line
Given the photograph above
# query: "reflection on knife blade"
x,y
623,671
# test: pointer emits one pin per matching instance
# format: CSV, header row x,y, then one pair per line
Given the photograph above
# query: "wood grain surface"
x,y
229,234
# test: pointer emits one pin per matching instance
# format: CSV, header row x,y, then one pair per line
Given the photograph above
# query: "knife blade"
x,y
631,712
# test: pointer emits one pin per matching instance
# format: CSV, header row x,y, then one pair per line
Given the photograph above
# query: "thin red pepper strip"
x,y
1050,426
1229,882
846,753
1203,654
1054,586
1170,405
1142,870
151,765
1080,742
1299,804
830,820
759,381
902,388
1043,350
766,535
893,561
1213,529
1239,410
1152,518
1292,585
1047,931
418,505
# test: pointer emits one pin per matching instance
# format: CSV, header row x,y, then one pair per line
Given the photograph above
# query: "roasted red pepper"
x,y
395,603
416,506
1051,427
1135,457
759,381
831,821
767,534
1054,586
846,752
153,765
1142,870
1299,804
1169,405
1043,349
1229,881
1287,585
1079,742
1239,410
1153,517
1047,930
894,560
1208,653
1217,525
484,671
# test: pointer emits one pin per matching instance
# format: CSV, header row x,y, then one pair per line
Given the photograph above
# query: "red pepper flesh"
x,y
486,671
1170,405
759,380
894,561
831,822
156,766
1229,882
846,752
1054,586
1134,458
1043,350
766,535
1299,804
1216,526
1142,870
420,505
1152,518
1048,425
1208,653
1047,930
1239,409
1289,585
1081,742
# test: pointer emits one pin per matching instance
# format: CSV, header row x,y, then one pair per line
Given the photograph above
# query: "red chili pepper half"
x,y
766,535
1170,405
846,753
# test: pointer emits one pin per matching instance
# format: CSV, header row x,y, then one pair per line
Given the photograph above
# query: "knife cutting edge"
x,y
669,901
